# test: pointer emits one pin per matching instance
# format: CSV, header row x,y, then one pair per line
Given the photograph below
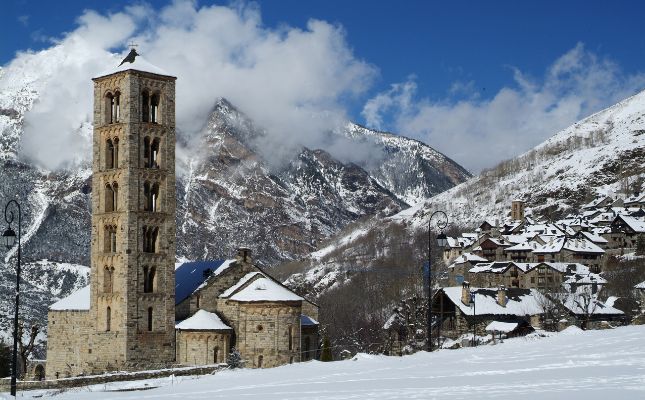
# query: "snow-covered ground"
x,y
569,365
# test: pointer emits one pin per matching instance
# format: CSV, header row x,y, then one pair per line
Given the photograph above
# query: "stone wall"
x,y
202,347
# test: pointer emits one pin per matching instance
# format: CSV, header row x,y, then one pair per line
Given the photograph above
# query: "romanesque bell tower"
x,y
132,306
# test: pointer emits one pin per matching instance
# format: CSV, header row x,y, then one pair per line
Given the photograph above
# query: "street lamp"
x,y
473,304
441,223
9,240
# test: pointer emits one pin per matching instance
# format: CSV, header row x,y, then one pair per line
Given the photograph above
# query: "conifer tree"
x,y
326,355
234,359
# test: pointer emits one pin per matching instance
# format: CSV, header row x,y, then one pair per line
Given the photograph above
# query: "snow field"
x,y
569,365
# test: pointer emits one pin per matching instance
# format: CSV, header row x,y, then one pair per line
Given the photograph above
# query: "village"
x,y
510,277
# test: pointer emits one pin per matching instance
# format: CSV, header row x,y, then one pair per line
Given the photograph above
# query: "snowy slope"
x,y
597,155
570,365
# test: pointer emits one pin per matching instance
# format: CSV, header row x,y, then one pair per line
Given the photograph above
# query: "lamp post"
x,y
442,222
473,304
9,239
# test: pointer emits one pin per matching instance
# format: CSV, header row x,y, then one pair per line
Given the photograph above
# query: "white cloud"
x,y
478,133
290,81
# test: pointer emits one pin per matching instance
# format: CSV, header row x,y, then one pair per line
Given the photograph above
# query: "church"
x,y
141,310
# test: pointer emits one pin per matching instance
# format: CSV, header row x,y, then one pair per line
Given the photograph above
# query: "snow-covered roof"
x,y
594,238
578,303
575,245
526,246
79,300
139,64
520,302
496,267
203,320
469,257
640,286
264,289
306,320
191,276
498,326
636,224
228,292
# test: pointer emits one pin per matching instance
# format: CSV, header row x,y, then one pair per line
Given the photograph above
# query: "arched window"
x,y
108,319
154,108
109,154
260,359
215,354
154,198
145,106
109,198
147,197
109,107
149,279
151,152
108,279
115,154
149,319
110,239
39,372
154,154
115,196
116,107
150,235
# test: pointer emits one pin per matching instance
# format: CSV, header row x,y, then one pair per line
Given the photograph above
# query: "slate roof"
x,y
191,275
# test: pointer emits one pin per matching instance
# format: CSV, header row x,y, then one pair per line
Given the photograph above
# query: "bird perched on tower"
x,y
130,57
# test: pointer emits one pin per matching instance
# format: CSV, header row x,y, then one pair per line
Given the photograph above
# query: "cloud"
x,y
292,82
24,20
479,132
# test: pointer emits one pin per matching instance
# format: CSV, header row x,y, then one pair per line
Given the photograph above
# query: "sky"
x,y
479,81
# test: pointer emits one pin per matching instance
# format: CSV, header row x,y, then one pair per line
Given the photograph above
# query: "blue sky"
x,y
430,61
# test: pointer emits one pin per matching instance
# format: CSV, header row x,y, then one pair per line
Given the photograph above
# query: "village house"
x,y
463,309
625,231
568,250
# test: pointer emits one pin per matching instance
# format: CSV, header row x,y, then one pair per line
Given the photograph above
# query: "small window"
x,y
290,333
215,355
149,319
108,319
259,328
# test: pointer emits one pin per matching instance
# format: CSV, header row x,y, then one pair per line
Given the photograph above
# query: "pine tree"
x,y
234,359
326,355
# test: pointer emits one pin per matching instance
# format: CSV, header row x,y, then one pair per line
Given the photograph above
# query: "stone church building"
x,y
140,311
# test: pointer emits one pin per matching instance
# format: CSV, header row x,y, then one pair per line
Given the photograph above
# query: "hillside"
x,y
601,154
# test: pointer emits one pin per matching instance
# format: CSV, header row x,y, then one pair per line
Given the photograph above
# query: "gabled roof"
x,y
203,321
190,276
77,301
469,257
580,305
635,224
255,286
574,245
520,302
307,320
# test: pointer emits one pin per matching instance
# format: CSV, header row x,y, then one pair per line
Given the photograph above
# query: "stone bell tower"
x,y
132,295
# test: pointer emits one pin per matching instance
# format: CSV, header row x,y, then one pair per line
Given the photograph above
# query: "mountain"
x,y
228,193
603,154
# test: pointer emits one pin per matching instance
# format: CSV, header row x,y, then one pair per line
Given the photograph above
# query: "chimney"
x,y
243,255
465,293
501,296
